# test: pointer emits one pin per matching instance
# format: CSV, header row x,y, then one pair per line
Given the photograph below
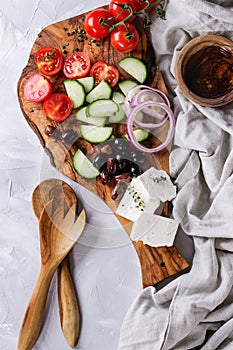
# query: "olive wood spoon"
x,y
58,234
62,195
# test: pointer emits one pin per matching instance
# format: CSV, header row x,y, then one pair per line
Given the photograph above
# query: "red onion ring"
x,y
131,122
146,87
132,101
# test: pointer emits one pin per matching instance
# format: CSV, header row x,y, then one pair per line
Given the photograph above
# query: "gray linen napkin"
x,y
195,311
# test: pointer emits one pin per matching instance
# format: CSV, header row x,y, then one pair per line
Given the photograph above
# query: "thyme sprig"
x,y
139,202
159,179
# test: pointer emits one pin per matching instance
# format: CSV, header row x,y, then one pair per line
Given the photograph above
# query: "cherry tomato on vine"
x,y
125,39
58,107
48,60
140,5
95,24
102,71
37,88
116,10
76,65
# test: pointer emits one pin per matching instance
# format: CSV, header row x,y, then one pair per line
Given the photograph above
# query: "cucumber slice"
x,y
84,166
95,134
118,97
76,92
126,85
102,108
87,83
81,115
118,116
101,91
140,135
134,67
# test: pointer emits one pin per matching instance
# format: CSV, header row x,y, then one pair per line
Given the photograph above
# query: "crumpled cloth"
x,y
194,311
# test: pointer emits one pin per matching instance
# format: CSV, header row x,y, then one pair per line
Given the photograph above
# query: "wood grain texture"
x,y
56,240
62,196
61,152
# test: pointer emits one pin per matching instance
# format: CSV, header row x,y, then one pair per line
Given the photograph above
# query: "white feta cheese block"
x,y
135,201
145,194
158,184
154,230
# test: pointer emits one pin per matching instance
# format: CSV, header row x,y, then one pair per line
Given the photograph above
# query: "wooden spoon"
x,y
63,196
58,235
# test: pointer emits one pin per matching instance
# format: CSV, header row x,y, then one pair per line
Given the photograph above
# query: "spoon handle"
x,y
68,304
33,318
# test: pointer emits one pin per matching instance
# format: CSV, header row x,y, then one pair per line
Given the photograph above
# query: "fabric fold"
x,y
194,311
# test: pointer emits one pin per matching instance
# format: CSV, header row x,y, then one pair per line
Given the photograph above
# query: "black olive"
x,y
135,170
69,136
122,177
105,176
49,130
112,165
138,157
100,160
119,190
121,144
124,165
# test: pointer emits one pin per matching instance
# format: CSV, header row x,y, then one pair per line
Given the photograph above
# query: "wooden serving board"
x,y
156,263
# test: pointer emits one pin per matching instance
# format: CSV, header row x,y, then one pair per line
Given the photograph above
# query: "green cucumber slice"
x,y
81,115
101,91
126,85
83,166
135,67
140,135
75,92
118,116
118,97
102,108
95,134
87,83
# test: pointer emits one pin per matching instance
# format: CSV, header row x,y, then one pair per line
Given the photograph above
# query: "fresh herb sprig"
x,y
159,179
139,202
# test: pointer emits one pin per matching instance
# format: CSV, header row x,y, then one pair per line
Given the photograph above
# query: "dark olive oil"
x,y
209,72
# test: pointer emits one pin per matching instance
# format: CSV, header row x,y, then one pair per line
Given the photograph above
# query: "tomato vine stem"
x,y
161,11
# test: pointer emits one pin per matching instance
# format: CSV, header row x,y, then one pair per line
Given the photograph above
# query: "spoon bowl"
x,y
58,234
63,196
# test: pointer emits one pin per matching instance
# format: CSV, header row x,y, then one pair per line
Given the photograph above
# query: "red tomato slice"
x,y
58,107
76,65
117,11
102,71
94,25
48,60
37,88
125,38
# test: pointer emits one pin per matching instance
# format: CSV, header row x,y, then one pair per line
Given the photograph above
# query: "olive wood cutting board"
x,y
156,263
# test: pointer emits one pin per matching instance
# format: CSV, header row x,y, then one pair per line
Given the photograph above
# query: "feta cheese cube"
x,y
158,184
135,201
154,230
145,193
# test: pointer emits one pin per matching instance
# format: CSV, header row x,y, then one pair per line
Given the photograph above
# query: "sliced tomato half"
x,y
102,71
37,88
49,60
76,65
58,107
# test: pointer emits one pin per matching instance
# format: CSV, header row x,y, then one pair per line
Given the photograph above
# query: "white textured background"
x,y
106,279
104,265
